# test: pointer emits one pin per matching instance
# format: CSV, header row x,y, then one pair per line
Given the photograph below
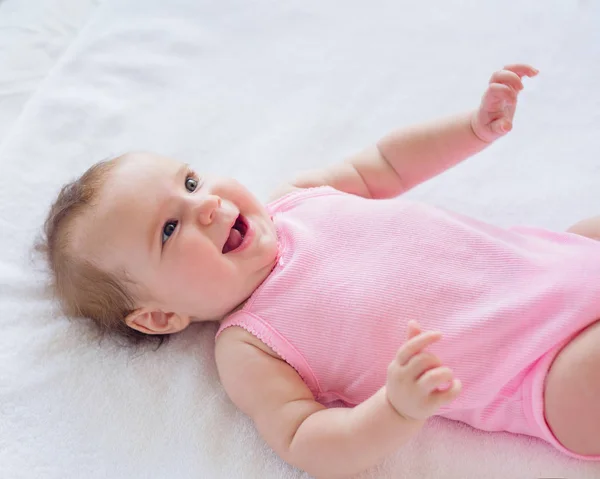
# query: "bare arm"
x,y
400,160
324,442
421,152
407,157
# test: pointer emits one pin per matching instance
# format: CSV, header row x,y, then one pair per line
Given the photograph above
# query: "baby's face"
x,y
192,245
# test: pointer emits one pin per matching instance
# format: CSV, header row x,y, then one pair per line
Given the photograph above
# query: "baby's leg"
x,y
572,393
589,227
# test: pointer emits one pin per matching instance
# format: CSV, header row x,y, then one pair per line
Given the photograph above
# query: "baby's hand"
x,y
414,377
495,115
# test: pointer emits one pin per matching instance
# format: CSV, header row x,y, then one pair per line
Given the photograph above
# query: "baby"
x,y
339,293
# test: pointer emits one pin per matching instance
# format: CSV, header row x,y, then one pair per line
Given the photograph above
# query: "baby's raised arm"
x,y
333,442
410,156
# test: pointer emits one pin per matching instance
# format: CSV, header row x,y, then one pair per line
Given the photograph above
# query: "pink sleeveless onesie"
x,y
352,271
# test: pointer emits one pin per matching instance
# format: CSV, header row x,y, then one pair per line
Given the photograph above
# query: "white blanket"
x,y
33,36
261,89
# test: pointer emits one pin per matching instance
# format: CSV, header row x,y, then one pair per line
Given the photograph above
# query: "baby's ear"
x,y
150,321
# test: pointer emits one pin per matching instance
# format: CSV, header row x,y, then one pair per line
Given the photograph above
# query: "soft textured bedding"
x,y
260,90
33,36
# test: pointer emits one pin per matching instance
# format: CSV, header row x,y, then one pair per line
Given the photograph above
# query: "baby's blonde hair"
x,y
83,289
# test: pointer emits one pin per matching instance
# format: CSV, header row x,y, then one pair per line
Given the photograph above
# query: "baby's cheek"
x,y
200,269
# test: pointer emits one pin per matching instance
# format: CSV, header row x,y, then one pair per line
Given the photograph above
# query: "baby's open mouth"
x,y
236,235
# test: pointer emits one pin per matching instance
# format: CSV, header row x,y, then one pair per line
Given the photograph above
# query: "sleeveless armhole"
x,y
271,337
289,199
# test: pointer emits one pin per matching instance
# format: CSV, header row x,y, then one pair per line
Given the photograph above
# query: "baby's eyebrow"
x,y
183,169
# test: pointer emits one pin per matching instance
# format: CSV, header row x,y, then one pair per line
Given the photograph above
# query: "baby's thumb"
x,y
413,329
501,126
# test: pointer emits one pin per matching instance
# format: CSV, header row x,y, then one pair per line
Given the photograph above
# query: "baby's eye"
x,y
191,183
168,230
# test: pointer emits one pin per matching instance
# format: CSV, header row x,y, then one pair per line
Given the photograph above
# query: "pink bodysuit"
x,y
352,271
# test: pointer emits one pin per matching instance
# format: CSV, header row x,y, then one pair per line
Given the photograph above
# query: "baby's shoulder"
x,y
236,341
252,374
282,190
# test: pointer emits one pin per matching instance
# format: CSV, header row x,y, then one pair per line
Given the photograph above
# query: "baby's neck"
x,y
260,279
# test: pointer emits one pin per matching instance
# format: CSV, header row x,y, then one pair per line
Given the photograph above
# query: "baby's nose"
x,y
207,209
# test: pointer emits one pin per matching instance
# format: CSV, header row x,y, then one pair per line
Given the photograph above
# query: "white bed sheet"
x,y
33,36
260,90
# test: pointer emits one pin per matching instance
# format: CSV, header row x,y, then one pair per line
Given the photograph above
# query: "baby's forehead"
x,y
125,203
138,171
137,177
147,164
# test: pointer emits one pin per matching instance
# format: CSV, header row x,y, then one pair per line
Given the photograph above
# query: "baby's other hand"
x,y
415,377
497,110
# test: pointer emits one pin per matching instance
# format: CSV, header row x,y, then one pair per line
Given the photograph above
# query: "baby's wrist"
x,y
400,414
476,129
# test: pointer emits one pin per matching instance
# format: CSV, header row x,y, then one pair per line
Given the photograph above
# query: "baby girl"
x,y
339,292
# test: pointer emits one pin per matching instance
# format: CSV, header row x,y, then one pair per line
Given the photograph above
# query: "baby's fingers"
x,y
440,398
522,70
416,344
497,93
413,329
420,363
509,78
501,126
435,378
